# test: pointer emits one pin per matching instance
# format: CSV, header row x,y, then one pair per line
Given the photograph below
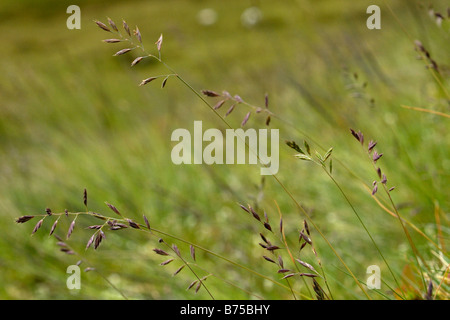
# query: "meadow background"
x,y
72,116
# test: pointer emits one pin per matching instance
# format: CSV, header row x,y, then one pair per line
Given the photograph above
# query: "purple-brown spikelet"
x,y
192,284
112,24
376,156
361,137
166,262
227,95
163,84
176,250
354,134
113,208
245,120
210,93
192,250
244,208
429,294
37,226
137,33
101,25
375,189
266,217
267,226
71,228
306,226
90,241
136,61
358,135
160,252
53,227
230,110
199,285
306,265
24,219
268,259
98,239
133,224
306,238
148,80
126,27
159,42
67,251
95,227
309,275
219,104
263,238
85,197
123,51
280,261
372,145
283,270
238,98
255,215
318,290
178,270
111,40
146,222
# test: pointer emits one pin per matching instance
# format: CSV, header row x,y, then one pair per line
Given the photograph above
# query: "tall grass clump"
x,y
298,254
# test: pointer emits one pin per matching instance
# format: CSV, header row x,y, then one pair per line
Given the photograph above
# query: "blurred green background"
x,y
72,116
